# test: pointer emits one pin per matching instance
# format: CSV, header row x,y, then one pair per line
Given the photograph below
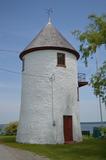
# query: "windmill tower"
x,y
49,106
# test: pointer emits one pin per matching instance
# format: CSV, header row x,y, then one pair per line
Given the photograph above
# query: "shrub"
x,y
11,128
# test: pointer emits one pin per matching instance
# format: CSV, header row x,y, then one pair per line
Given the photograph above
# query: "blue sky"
x,y
20,21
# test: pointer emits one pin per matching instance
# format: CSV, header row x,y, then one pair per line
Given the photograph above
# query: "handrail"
x,y
81,77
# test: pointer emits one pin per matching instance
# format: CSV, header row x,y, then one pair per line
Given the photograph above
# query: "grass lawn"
x,y
89,149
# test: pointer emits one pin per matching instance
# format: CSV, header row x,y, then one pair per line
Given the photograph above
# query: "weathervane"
x,y
49,12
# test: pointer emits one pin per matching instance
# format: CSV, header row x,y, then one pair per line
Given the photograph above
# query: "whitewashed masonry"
x,y
49,92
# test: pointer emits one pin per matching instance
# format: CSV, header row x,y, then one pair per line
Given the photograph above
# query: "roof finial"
x,y
49,12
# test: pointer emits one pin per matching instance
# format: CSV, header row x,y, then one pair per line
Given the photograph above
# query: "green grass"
x,y
89,149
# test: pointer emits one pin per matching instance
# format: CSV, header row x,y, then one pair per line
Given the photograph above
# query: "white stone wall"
x,y
44,102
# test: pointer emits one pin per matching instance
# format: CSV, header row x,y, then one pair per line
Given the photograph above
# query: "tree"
x,y
11,128
98,82
91,39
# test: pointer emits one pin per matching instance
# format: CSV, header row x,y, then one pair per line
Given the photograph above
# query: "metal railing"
x,y
81,77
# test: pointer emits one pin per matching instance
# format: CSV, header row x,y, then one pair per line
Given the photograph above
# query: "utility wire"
x,y
9,53
10,71
6,51
19,73
9,50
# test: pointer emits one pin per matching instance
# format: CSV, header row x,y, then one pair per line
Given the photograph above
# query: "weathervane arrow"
x,y
49,12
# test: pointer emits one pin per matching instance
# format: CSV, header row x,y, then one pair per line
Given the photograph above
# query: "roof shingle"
x,y
49,38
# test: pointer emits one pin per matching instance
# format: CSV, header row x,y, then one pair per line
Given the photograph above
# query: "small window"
x,y
23,64
61,59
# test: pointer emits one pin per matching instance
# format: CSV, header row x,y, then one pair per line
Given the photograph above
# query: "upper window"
x,y
61,59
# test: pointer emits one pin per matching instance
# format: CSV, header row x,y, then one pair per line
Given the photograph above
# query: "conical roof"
x,y
49,38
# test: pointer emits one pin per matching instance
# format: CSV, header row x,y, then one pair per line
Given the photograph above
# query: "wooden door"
x,y
68,129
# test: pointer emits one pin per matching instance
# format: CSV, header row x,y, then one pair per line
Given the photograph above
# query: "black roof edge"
x,y
74,52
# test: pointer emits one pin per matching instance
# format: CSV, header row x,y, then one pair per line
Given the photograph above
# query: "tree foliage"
x,y
91,39
11,128
98,82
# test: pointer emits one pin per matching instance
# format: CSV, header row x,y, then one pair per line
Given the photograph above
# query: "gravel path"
x,y
8,153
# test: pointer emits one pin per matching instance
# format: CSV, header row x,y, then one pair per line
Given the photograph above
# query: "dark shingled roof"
x,y
49,38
